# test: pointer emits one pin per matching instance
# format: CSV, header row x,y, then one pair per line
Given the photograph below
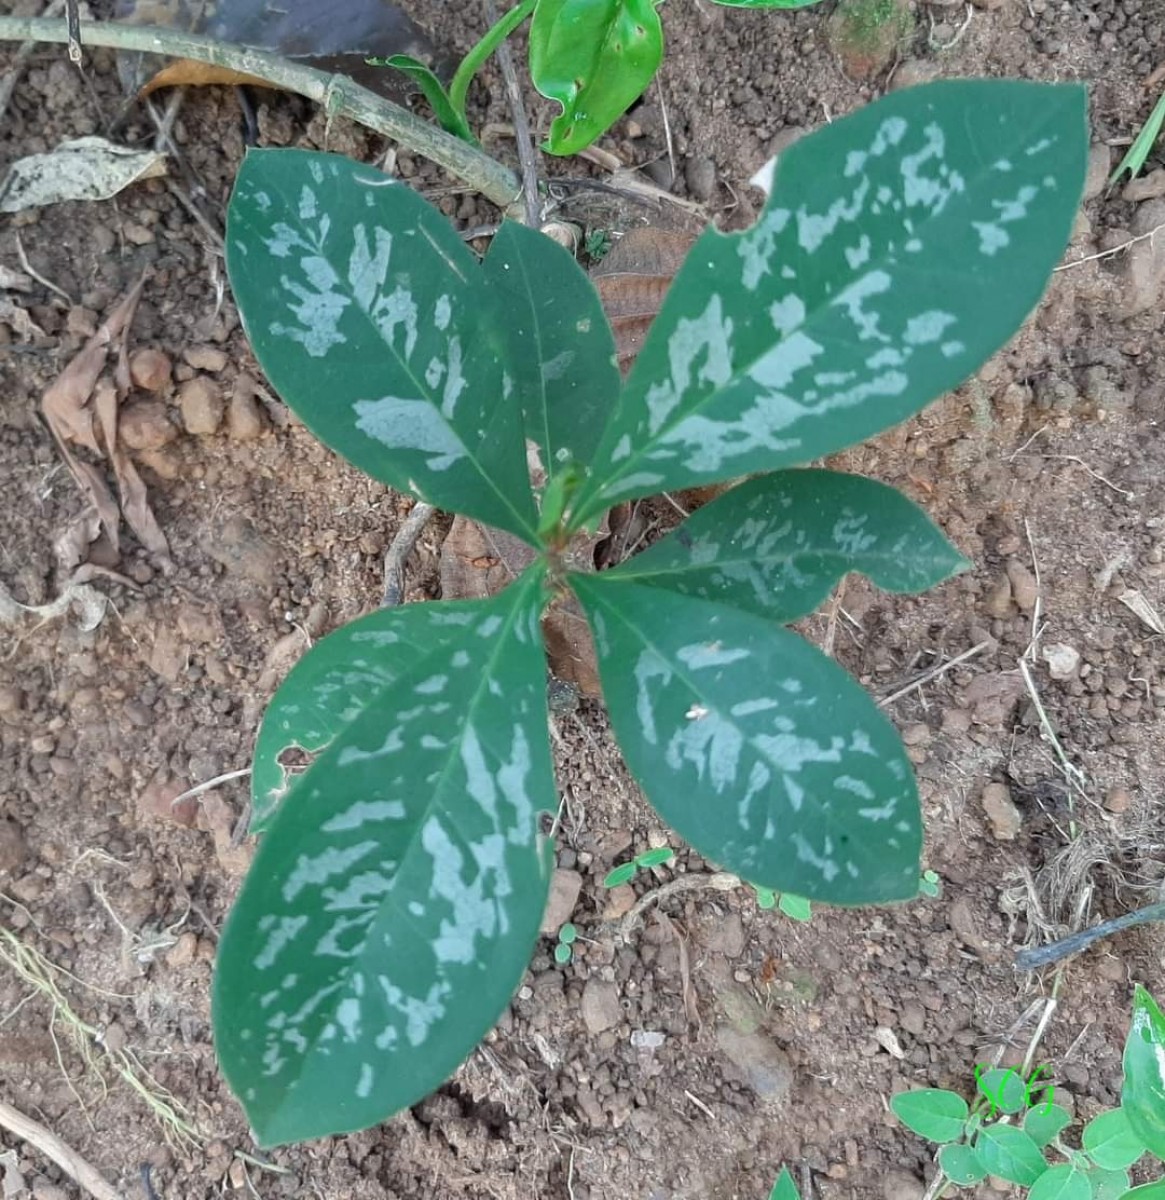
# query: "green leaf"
x,y
1147,1191
901,246
960,1164
655,858
776,545
765,3
1061,1182
595,57
760,751
568,934
447,116
395,900
620,875
562,953
1143,1093
784,1188
1009,1153
560,349
379,328
1108,1185
1143,143
335,681
932,1113
1004,1088
797,908
766,898
1110,1140
1045,1123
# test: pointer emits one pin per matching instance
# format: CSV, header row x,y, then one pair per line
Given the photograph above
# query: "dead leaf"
x,y
331,35
1140,607
570,649
632,281
14,281
18,320
88,168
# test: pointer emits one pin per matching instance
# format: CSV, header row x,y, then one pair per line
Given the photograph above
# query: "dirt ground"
x,y
692,1058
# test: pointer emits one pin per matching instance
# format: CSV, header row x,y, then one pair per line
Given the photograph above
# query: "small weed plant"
x,y
400,880
1013,1125
594,57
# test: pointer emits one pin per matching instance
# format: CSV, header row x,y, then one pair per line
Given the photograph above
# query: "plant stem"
x,y
492,39
339,95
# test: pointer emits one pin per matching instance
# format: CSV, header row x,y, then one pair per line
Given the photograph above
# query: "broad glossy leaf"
x,y
595,57
335,681
1110,1185
395,900
776,545
1045,1123
901,246
1061,1182
784,1188
961,1165
932,1113
434,90
376,324
560,349
754,746
1009,1153
1143,1093
1110,1140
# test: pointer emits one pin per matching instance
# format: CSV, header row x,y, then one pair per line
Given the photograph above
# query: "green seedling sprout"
x,y
567,936
627,871
1137,154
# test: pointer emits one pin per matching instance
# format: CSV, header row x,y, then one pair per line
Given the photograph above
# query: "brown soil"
x,y
1045,470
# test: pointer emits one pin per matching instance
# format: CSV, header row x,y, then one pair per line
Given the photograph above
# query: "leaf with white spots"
x,y
377,325
561,349
395,899
901,246
776,545
754,746
334,682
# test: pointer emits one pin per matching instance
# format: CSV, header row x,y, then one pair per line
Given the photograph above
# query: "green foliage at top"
x,y
983,1139
403,768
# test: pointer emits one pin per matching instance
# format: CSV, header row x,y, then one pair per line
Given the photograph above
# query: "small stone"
x,y
206,358
237,1174
145,425
1001,812
182,953
956,721
1118,800
13,848
115,1038
164,463
913,72
1099,165
1143,277
916,735
1063,660
137,235
565,887
763,1065
243,551
43,1190
901,1185
620,901
245,420
201,402
647,1039
150,369
157,798
1146,187
11,701
999,599
1024,589
601,1009
913,1018
728,936
700,176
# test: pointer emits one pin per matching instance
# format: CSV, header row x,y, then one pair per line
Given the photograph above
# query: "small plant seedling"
x,y
1137,154
564,947
930,885
400,880
1014,1122
795,907
627,871
597,244
784,1188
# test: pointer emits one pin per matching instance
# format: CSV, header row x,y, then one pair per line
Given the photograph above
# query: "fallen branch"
x,y
339,95
51,1146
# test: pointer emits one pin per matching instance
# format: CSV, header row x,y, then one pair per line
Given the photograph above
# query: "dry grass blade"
x,y
51,1146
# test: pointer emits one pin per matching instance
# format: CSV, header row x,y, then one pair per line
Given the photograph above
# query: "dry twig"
x,y
51,1146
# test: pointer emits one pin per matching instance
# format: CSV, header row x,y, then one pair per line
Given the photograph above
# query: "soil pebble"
x,y
144,425
1146,187
1001,812
150,369
244,416
700,176
201,402
901,1185
1118,800
1063,660
564,891
206,358
601,1009
620,901
1099,165
1024,589
13,848
1144,267
762,1064
243,551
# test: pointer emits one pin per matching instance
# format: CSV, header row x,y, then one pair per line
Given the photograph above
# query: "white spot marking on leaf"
x,y
890,133
696,713
707,336
855,161
489,626
1001,164
433,686
814,228
328,863
857,256
849,534
404,424
649,667
951,349
362,811
778,366
442,311
756,247
397,308
280,931
348,1018
857,787
367,270
455,381
460,658
1039,147
364,1083
992,237
853,299
359,892
930,191
701,655
787,313
745,708
317,170
806,854
557,367
353,754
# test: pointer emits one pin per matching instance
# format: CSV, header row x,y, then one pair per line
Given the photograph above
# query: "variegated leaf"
x,y
776,545
754,746
395,900
375,323
900,247
561,350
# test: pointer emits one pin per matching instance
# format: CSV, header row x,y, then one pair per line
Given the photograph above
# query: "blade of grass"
x,y
1143,143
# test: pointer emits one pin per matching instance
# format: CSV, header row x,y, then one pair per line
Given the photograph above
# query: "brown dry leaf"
x,y
632,281
331,35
